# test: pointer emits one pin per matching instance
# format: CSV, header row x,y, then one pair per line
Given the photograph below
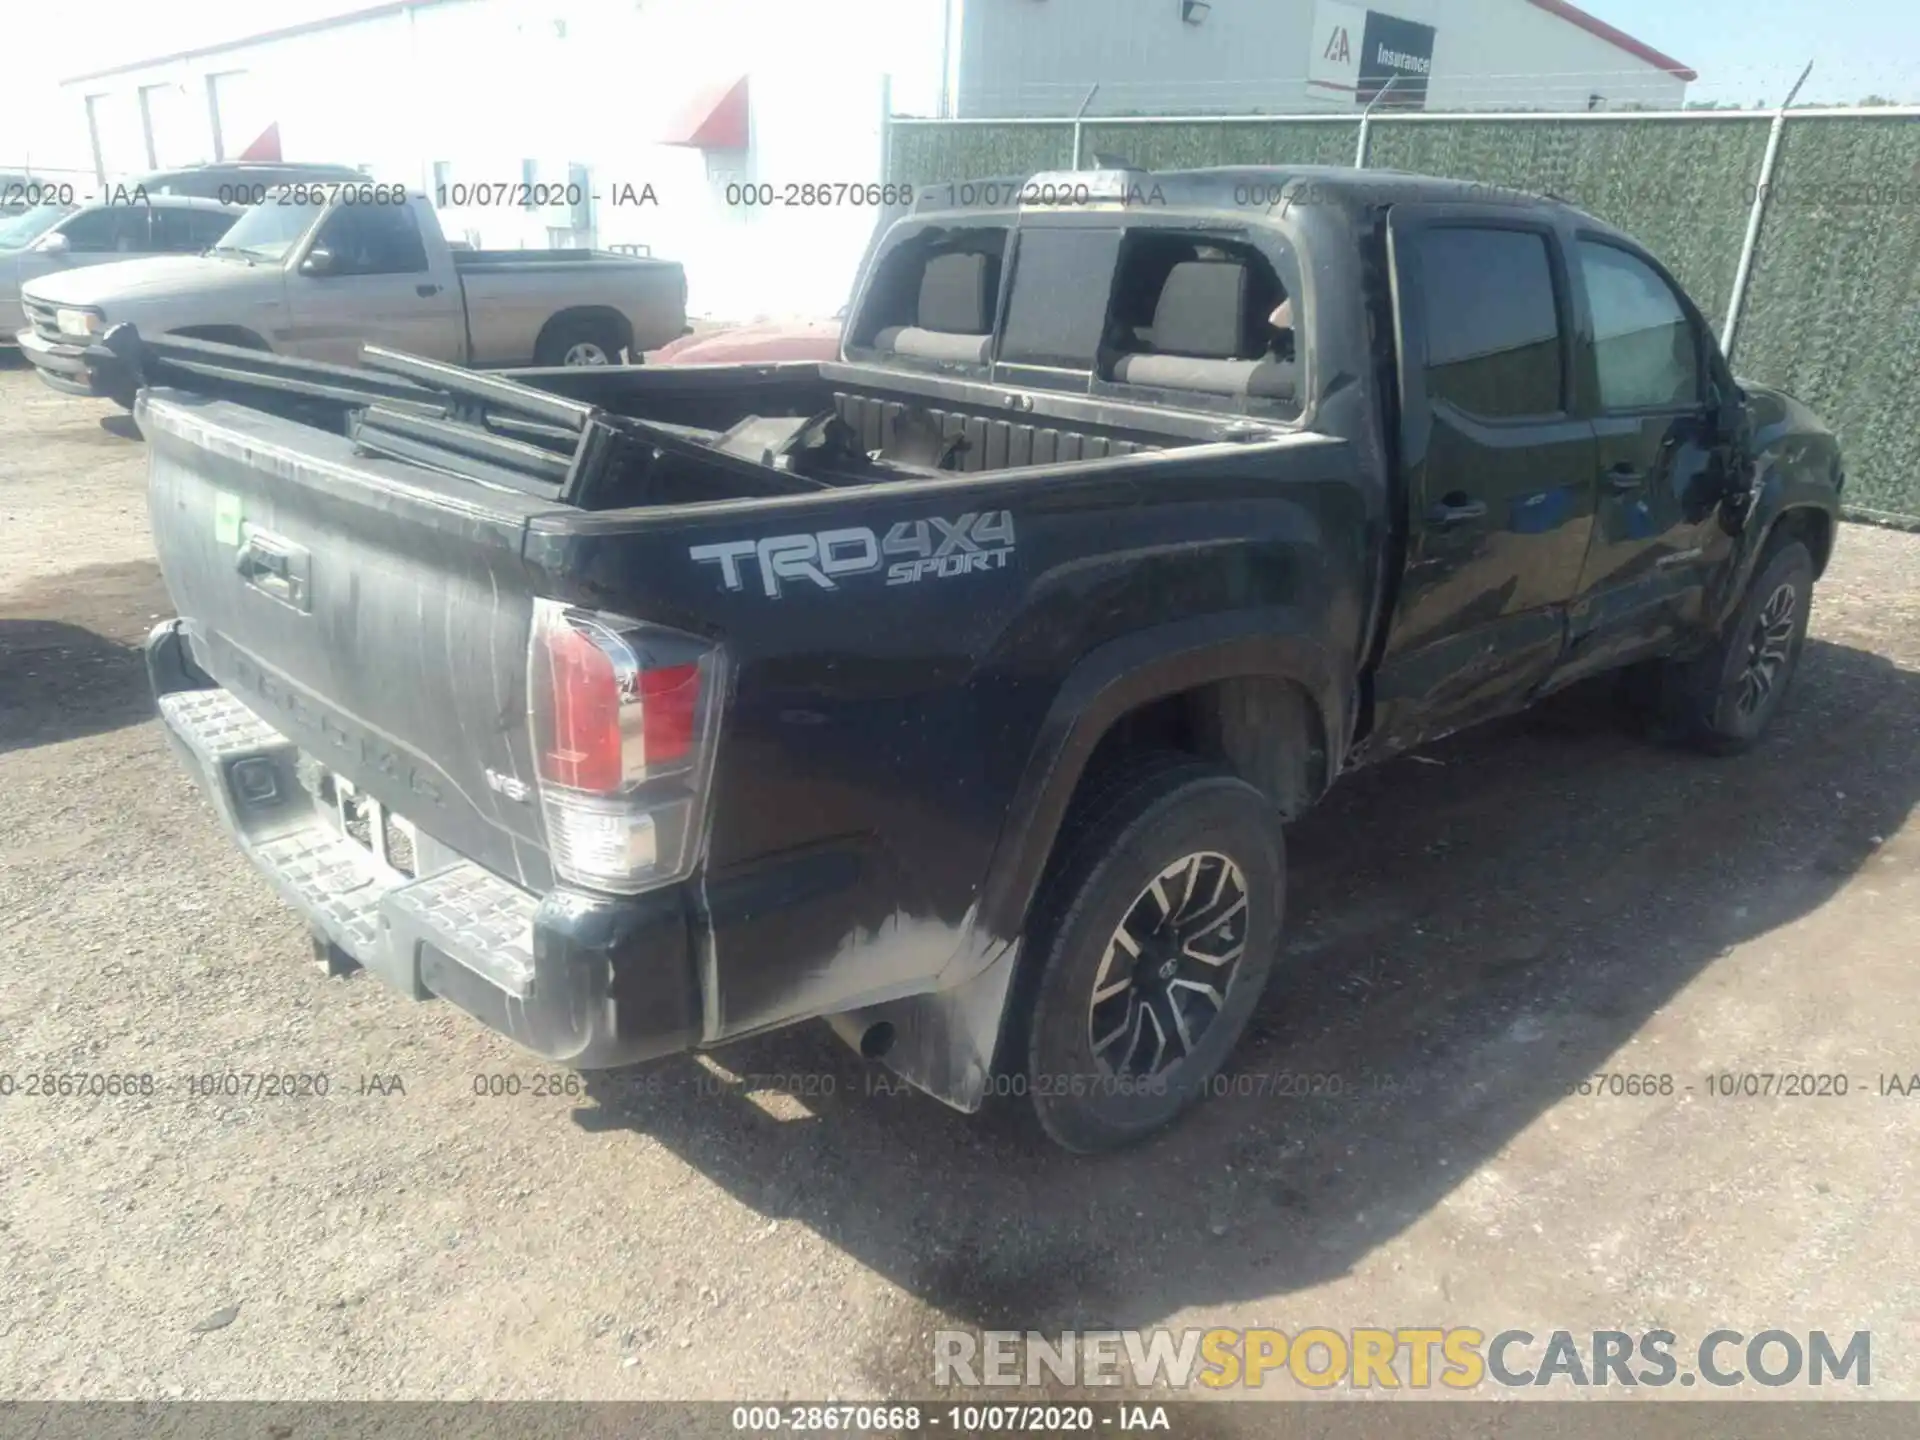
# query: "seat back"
x,y
954,317
1200,339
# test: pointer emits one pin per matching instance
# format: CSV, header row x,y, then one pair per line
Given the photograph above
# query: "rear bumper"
x,y
583,980
62,366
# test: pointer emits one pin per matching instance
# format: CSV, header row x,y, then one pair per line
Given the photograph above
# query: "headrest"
x,y
1202,310
954,297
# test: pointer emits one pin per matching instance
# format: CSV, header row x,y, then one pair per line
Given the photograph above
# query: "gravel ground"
x,y
1473,931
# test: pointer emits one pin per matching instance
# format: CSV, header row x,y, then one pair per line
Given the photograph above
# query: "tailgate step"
x,y
333,880
476,916
376,914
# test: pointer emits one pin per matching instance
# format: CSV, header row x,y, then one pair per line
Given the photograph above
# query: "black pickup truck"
x,y
957,691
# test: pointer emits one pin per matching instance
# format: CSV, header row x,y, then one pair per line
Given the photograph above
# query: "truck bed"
x,y
370,566
521,260
617,437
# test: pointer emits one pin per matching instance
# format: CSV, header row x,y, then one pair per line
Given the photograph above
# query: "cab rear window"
x,y
933,299
1057,311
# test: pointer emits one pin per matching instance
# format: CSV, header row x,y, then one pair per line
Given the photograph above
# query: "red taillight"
x,y
602,721
624,716
579,731
669,701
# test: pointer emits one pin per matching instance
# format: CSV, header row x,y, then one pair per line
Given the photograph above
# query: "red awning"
x,y
717,120
266,146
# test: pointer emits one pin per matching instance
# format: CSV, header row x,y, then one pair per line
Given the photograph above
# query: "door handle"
x,y
1455,510
274,567
425,290
1625,478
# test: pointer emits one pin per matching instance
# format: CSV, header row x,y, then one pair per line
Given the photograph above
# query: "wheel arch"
x,y
583,315
1812,526
1797,502
1259,698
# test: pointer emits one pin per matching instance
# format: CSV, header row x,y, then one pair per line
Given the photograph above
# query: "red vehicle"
x,y
765,340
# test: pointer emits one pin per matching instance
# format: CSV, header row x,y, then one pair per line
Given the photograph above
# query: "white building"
x,y
1177,57
728,134
674,121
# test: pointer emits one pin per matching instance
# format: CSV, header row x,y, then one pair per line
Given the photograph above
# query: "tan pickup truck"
x,y
317,271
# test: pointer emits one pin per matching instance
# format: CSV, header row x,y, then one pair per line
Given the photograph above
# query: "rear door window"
x,y
1493,322
110,230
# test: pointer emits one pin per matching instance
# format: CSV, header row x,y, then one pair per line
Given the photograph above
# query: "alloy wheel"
x,y
1768,649
1167,968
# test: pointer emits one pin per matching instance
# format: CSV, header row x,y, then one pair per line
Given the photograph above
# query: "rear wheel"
x,y
1158,934
580,342
1722,701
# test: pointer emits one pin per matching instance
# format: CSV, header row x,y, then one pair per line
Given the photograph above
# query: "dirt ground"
x,y
1473,931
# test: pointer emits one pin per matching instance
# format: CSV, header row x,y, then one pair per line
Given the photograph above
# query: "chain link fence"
x,y
1830,307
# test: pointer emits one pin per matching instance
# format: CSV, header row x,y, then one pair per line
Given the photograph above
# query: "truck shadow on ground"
x,y
1471,933
82,674
60,682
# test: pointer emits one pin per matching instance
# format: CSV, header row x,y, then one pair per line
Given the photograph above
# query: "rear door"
x,y
1657,536
1498,467
370,284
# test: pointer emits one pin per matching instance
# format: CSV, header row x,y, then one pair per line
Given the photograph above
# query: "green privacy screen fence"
x,y
1831,307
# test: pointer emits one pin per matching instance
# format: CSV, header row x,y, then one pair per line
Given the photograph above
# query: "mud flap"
x,y
942,1043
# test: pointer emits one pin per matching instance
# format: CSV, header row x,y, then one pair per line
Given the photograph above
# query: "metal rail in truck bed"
x,y
485,428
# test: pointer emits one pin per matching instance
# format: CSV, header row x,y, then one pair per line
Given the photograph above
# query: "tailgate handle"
x,y
276,568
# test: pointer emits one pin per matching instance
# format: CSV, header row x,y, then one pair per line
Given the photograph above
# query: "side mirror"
x,y
319,261
55,244
1726,409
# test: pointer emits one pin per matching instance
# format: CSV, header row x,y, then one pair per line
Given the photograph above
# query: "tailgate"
x,y
376,614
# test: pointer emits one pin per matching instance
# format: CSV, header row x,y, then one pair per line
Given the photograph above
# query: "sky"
x,y
1747,51
1752,50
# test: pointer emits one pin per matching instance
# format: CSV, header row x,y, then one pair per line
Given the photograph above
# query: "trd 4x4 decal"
x,y
925,549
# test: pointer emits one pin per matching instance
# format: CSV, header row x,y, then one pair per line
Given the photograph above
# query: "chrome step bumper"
x,y
400,926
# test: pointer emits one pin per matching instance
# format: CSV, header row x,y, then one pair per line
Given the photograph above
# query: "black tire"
x,y
1142,821
1723,700
567,343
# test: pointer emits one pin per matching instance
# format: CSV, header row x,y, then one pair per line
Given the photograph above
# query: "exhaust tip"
x,y
870,1040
